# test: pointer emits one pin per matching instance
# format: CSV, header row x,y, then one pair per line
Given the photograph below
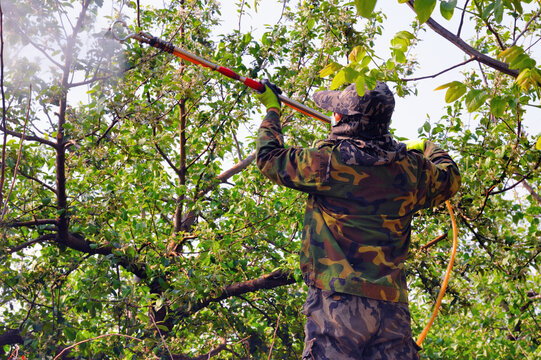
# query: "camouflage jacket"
x,y
357,223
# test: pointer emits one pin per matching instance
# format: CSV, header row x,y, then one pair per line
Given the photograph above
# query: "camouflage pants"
x,y
347,327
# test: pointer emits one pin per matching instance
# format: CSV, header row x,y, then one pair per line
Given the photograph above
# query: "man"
x,y
364,188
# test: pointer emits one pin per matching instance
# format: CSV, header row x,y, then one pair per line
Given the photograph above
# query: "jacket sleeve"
x,y
440,177
297,168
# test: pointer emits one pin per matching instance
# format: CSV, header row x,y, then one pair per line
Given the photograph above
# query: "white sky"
x,y
433,53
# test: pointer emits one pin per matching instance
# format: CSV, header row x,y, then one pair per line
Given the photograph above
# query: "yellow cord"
x,y
445,279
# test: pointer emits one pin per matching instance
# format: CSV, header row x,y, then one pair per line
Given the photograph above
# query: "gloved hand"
x,y
418,144
269,97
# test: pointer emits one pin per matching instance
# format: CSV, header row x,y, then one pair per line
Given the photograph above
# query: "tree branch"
x,y
93,339
36,222
19,155
526,27
441,72
462,45
27,137
268,281
462,18
531,191
39,239
38,181
11,337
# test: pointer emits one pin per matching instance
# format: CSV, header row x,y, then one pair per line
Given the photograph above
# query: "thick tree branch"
x,y
462,45
268,281
532,192
29,223
11,337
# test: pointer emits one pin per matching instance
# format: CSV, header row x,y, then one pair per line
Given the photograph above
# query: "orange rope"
x,y
445,279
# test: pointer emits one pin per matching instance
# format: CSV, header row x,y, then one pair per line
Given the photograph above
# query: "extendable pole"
x,y
194,59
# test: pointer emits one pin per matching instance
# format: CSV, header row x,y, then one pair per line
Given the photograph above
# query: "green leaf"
x,y
510,54
447,9
351,74
399,44
365,62
338,80
405,35
521,62
498,11
71,334
360,85
357,54
330,69
365,7
310,24
455,90
475,98
497,106
424,9
399,56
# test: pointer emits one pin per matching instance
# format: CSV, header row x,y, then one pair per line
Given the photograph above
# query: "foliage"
x,y
136,212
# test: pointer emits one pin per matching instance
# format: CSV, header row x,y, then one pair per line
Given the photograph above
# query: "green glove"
x,y
418,144
269,97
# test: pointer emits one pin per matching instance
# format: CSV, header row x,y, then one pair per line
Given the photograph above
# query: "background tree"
x,y
135,220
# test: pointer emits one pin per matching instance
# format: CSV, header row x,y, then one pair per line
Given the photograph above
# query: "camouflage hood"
x,y
373,152
362,135
368,115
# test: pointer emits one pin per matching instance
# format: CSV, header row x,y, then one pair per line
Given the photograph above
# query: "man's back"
x,y
357,222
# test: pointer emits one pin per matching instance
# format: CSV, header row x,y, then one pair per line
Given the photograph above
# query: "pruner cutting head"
x,y
115,31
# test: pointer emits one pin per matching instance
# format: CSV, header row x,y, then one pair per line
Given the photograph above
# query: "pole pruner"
x,y
194,59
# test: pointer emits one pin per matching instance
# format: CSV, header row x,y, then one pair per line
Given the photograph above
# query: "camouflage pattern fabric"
x,y
357,223
348,327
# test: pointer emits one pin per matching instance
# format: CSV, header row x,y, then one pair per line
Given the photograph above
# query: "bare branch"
x,y
161,336
166,158
462,18
441,72
462,45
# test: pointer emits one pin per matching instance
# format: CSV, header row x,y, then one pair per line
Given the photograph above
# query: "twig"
x,y
526,27
5,206
441,72
4,143
39,239
161,337
274,336
92,339
462,19
434,242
